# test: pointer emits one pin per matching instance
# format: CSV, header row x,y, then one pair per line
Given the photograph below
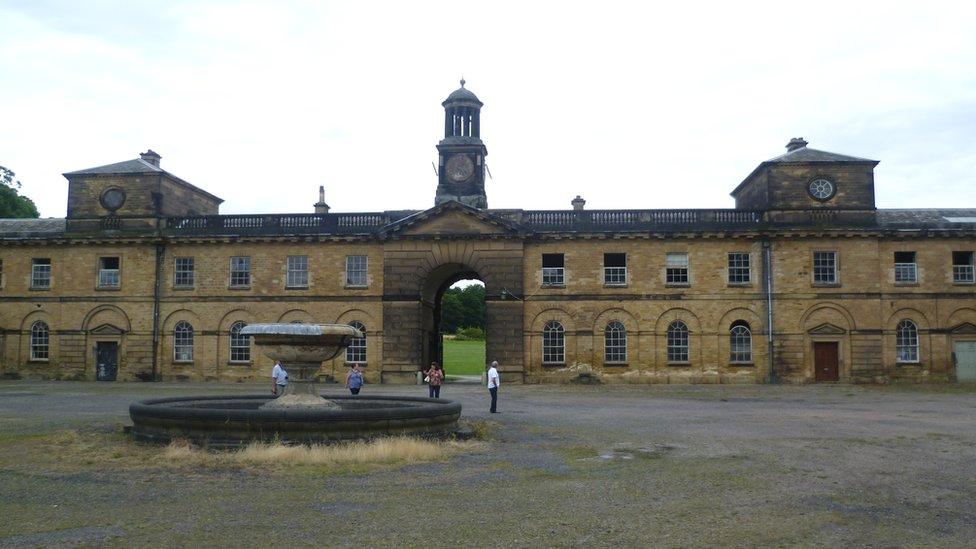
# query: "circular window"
x,y
112,199
821,189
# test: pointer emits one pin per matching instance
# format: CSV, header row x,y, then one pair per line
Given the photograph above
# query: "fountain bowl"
x,y
223,422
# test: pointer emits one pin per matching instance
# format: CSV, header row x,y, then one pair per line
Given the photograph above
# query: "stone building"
x,y
804,280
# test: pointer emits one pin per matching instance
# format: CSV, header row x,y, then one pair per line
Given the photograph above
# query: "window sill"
x,y
963,282
239,363
553,364
826,284
910,284
356,287
679,363
615,285
616,364
296,287
351,364
742,364
40,289
908,363
677,285
740,284
39,360
183,362
182,288
108,288
553,286
239,288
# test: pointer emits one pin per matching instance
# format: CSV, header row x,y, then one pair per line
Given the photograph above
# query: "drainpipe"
x,y
768,280
160,250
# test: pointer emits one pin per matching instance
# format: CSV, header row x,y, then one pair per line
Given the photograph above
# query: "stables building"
x,y
805,280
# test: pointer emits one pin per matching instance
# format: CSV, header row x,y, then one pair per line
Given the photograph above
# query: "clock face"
x,y
821,189
112,199
459,167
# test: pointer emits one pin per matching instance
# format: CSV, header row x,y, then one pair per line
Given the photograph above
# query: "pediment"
x,y
452,219
106,329
827,329
964,328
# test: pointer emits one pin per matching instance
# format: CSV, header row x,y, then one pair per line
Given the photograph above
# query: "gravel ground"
x,y
568,465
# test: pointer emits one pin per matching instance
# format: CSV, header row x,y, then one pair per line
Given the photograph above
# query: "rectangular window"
x,y
962,267
183,272
240,272
108,272
553,272
297,272
40,274
906,271
615,269
825,267
356,268
740,271
676,269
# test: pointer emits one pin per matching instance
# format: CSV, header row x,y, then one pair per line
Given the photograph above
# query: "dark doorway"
x,y
106,360
825,361
461,327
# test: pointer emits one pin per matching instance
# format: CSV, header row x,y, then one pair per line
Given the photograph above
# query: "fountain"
x,y
301,415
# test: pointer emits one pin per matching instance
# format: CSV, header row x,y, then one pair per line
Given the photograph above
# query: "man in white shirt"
x,y
493,382
279,379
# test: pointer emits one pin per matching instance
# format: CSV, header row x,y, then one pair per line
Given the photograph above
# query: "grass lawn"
x,y
464,357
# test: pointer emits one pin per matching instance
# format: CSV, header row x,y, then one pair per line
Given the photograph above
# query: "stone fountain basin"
x,y
301,343
235,421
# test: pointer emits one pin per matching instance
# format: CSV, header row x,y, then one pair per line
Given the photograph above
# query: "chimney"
x,y
795,143
578,203
321,207
151,156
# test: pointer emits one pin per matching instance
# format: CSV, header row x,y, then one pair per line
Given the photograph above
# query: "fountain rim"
x,y
428,407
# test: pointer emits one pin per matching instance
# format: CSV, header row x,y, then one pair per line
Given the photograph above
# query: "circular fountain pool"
x,y
233,421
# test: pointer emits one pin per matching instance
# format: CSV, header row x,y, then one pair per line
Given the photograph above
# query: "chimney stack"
x,y
578,203
321,207
795,143
151,156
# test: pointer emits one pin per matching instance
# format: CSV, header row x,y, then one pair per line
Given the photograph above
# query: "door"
x,y
965,360
825,361
106,360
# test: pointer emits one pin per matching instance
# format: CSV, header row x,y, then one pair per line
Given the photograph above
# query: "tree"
x,y
452,314
12,204
463,308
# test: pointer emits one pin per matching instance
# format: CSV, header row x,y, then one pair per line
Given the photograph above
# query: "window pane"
x,y
356,351
356,270
108,272
39,341
297,271
676,271
553,343
677,340
240,345
740,343
739,268
240,271
962,267
615,343
183,342
905,269
183,272
552,260
41,273
824,267
906,341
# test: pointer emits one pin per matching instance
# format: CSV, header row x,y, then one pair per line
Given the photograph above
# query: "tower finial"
x,y
462,82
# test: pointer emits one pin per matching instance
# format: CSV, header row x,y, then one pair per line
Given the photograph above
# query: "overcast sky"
x,y
631,105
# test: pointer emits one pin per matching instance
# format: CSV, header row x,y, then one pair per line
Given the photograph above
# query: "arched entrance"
x,y
438,282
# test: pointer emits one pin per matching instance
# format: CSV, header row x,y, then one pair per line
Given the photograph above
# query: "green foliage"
x,y
463,308
11,203
470,334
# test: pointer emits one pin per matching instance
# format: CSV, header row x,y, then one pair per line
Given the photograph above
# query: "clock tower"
x,y
461,154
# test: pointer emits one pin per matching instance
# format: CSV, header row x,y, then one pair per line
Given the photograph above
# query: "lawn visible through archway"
x,y
464,358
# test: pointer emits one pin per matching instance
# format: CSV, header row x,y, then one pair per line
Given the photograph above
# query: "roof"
x,y
462,94
136,165
806,154
936,218
27,228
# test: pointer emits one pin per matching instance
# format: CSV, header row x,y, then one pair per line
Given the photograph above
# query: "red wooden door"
x,y
825,361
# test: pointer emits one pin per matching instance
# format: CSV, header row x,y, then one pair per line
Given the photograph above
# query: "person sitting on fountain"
x,y
354,379
279,379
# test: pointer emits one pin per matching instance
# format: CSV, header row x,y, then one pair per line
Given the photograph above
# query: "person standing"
x,y
435,378
279,379
493,382
354,379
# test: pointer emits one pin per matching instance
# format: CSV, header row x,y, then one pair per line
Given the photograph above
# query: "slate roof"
x,y
806,154
136,165
31,228
936,218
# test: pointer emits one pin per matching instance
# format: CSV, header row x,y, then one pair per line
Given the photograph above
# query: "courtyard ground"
x,y
565,466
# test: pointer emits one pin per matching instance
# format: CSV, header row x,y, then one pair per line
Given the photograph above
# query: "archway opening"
x,y
455,328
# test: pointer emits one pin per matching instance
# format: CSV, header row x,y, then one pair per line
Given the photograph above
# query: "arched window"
x,y
183,342
740,342
615,343
240,345
356,351
906,341
39,340
677,342
553,343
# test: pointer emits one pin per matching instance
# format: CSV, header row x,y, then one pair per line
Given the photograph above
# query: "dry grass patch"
x,y
74,450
